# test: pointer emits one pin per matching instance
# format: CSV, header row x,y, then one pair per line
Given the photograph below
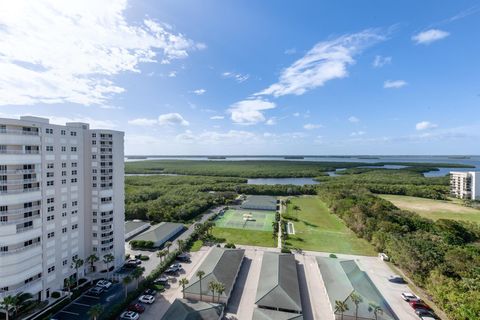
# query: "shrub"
x,y
332,255
55,295
286,250
230,245
144,258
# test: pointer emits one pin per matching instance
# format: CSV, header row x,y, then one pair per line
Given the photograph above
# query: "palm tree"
x,y
92,259
137,273
200,274
77,263
183,282
107,259
220,290
21,300
357,299
375,308
68,284
167,245
212,286
341,306
7,302
126,281
181,245
161,254
95,311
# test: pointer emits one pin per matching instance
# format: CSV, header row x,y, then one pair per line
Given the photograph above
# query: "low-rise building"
x,y
135,227
221,265
260,203
465,185
278,287
161,233
184,309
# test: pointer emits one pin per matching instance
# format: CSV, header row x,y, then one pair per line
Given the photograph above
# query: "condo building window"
x,y
51,235
64,149
50,209
74,203
51,269
63,132
49,174
49,148
64,173
64,262
64,164
64,181
4,249
74,164
50,183
74,180
73,134
74,172
50,200
64,214
75,226
64,230
50,218
49,130
74,212
49,165
94,135
73,149
64,205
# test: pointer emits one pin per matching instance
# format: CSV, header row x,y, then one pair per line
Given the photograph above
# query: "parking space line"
x,y
69,312
81,304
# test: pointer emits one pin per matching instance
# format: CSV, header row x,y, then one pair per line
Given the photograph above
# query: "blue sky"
x,y
250,77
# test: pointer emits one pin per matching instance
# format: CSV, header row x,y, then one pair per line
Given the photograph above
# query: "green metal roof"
x,y
159,231
133,225
260,202
220,265
267,314
342,277
278,285
183,309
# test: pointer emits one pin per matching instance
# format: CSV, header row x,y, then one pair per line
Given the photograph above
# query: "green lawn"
x,y
196,246
435,209
319,230
246,237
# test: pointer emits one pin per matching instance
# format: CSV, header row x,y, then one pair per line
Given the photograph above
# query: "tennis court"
x,y
246,219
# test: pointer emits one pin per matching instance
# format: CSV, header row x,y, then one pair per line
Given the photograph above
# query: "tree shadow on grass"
x,y
310,224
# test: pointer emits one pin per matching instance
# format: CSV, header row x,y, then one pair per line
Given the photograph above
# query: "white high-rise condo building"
x,y
465,185
61,198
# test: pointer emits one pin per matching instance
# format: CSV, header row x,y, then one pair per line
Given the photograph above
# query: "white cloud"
x,y
429,36
172,74
144,122
353,119
290,51
311,126
64,51
214,137
425,125
394,84
271,122
172,119
217,117
326,61
250,111
296,114
357,133
199,92
380,61
236,76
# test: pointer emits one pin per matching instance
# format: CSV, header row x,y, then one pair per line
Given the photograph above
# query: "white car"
x,y
104,284
130,315
147,299
408,296
427,318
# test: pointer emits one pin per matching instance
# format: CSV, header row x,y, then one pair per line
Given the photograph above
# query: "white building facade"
x,y
61,198
465,185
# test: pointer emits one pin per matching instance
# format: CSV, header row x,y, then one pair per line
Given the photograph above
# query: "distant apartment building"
x,y
61,198
465,185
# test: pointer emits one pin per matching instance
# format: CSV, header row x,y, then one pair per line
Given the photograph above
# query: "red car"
x,y
419,305
137,307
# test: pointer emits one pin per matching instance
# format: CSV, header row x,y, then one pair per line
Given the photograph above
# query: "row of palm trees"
x,y
16,302
342,306
213,286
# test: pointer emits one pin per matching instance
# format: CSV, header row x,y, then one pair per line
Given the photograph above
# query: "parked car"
x,y
95,291
396,279
427,318
174,268
104,284
129,315
136,307
184,257
383,256
147,299
150,292
408,296
161,280
132,263
419,305
425,313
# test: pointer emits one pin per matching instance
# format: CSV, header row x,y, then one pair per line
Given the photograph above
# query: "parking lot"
x,y
78,309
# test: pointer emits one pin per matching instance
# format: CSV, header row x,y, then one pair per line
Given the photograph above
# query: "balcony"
x,y
18,132
21,249
19,191
21,210
19,171
18,181
21,220
3,151
24,288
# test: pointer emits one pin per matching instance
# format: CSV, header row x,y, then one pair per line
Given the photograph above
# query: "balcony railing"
x,y
2,151
24,229
19,289
21,220
18,181
18,132
21,249
16,191
19,171
21,210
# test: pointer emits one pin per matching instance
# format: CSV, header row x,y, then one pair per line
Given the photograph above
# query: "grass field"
x,y
233,218
246,237
434,209
319,230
